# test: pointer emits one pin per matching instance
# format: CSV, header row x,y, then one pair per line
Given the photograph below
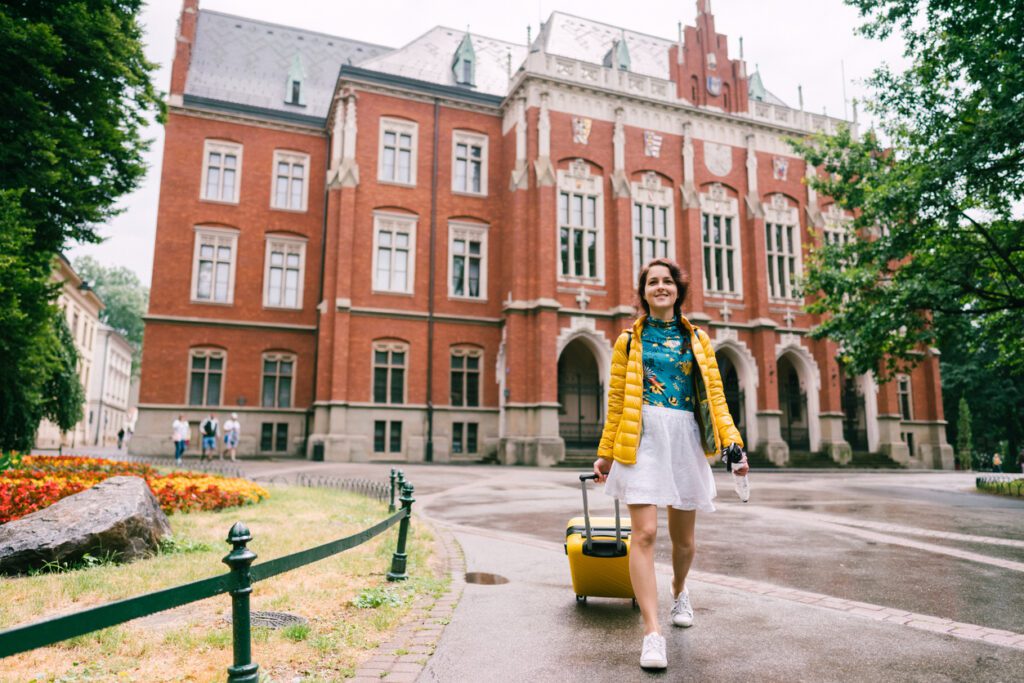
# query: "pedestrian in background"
x,y
209,428
997,462
120,438
655,446
179,435
232,430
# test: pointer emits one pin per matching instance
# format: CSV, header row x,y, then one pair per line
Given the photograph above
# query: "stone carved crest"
x,y
578,168
652,143
581,129
780,167
651,181
718,158
779,202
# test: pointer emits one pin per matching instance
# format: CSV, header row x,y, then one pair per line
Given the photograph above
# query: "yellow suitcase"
x,y
598,551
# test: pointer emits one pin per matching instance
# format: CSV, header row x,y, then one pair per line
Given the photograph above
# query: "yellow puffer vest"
x,y
624,425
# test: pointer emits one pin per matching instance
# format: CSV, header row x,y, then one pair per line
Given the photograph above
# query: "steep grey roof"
x,y
429,58
246,62
589,41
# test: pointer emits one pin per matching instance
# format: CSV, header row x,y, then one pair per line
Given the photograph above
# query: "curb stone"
x,y
418,637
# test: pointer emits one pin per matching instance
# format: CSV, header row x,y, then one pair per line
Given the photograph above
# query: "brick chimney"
x,y
183,41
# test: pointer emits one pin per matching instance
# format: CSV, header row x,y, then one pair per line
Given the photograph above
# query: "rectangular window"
x,y
721,269
206,375
387,436
389,373
782,246
397,151
467,250
903,396
465,377
278,373
290,181
469,163
213,270
222,168
274,437
578,231
652,237
284,272
394,251
464,437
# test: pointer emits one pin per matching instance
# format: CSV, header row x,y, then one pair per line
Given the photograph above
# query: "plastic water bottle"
x,y
734,457
742,485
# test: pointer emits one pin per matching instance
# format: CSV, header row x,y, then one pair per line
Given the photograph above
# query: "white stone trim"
x,y
741,357
583,328
810,380
470,138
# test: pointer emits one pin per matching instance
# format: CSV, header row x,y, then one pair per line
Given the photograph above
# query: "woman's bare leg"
x,y
644,523
684,546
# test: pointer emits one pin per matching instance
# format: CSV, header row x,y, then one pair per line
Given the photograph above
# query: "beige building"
x,y
107,395
82,308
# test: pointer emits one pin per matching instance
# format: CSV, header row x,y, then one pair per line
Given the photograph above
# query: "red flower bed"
x,y
38,481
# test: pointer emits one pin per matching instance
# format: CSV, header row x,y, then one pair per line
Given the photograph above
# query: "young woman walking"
x,y
657,440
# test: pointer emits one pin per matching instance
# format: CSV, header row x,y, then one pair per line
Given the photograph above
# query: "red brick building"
x,y
426,253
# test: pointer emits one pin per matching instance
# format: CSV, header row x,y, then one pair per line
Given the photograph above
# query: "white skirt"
x,y
670,468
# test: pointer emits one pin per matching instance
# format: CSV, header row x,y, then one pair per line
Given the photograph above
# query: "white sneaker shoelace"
x,y
682,611
652,656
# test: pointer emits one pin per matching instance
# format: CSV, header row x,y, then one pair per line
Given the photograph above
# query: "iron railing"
x,y
237,582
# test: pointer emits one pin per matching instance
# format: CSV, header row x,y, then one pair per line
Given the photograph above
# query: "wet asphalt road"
x,y
923,542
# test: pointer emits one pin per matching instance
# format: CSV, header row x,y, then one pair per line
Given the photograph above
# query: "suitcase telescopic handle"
x,y
586,510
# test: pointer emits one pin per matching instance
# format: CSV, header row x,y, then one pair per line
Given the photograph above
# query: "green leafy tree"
x,y
963,439
63,394
125,300
937,239
76,91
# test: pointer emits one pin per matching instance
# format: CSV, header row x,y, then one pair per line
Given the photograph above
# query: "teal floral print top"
x,y
668,365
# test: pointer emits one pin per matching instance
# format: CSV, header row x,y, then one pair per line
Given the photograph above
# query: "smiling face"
x,y
660,291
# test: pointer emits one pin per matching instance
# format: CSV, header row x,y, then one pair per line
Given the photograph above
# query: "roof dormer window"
x,y
618,56
464,62
294,93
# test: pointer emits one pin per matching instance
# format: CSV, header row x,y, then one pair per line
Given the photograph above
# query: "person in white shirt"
x,y
232,429
179,435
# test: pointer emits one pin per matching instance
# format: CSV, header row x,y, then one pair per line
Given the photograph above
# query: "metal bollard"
x,y
391,506
398,560
239,560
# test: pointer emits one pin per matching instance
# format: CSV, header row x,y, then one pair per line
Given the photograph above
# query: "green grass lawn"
x,y
350,606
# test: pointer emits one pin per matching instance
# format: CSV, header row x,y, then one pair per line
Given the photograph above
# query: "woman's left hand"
x,y
742,467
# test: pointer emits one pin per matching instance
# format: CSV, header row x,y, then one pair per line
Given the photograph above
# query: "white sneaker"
x,y
742,486
682,612
653,654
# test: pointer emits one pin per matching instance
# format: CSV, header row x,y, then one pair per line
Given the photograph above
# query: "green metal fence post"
x,y
391,506
239,560
398,560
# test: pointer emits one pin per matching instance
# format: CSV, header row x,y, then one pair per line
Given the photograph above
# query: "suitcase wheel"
x,y
582,599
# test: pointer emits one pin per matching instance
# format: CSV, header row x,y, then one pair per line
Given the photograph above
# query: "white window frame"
x,y
221,147
469,232
904,387
577,180
389,347
466,352
715,202
395,222
651,194
206,352
398,127
220,237
469,138
292,159
279,357
780,214
288,244
837,226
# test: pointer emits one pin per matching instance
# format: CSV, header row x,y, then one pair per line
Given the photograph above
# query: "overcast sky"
x,y
794,42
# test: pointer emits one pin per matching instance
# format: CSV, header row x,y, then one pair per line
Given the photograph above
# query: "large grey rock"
x,y
119,515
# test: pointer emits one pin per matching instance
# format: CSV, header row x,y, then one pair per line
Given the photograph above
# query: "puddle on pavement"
x,y
485,579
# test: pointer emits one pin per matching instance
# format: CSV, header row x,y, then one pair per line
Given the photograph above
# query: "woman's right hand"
x,y
602,466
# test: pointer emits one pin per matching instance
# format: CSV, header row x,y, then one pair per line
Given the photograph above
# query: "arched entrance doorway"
x,y
735,396
793,404
580,396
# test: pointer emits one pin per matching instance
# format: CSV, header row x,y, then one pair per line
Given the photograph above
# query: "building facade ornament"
x,y
520,172
780,168
545,171
688,188
753,196
620,185
581,126
717,158
652,144
814,216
